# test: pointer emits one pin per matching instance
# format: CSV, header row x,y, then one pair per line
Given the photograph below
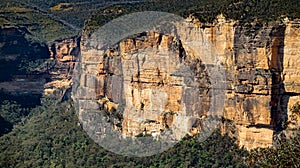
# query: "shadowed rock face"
x,y
15,51
15,48
151,82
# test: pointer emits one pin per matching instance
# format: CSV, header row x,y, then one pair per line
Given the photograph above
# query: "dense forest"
x,y
259,11
51,136
48,21
48,133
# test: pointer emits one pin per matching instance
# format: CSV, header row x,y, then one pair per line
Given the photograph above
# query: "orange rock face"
x,y
145,75
144,80
291,70
64,50
263,79
64,54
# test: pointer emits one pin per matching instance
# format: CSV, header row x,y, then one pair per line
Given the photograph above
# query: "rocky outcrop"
x,y
257,99
64,54
65,50
149,73
147,84
291,71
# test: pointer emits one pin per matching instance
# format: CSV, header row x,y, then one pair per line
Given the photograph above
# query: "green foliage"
x,y
286,155
259,11
42,26
48,25
296,108
35,66
52,137
143,135
11,111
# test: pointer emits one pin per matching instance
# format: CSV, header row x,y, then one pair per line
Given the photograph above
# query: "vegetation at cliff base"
x,y
51,136
287,154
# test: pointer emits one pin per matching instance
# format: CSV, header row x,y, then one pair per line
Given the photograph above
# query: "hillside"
x,y
51,20
43,130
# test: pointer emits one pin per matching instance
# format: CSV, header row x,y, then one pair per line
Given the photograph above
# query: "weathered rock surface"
x,y
150,82
262,80
64,54
149,72
291,71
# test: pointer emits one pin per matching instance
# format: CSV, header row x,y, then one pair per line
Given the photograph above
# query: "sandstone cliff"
x,y
64,53
145,86
261,72
259,94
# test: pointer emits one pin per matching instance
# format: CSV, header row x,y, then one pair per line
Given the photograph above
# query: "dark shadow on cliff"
x,y
17,54
5,126
279,96
15,48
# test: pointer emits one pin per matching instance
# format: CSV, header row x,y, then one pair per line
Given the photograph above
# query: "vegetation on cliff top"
x,y
245,12
49,20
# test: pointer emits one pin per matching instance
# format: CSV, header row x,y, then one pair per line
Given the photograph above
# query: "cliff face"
x,y
146,85
149,73
291,70
262,80
64,54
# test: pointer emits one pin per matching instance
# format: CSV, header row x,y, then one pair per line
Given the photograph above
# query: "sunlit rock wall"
x,y
262,80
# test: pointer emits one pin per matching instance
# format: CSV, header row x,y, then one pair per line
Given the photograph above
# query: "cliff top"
x,y
55,19
246,12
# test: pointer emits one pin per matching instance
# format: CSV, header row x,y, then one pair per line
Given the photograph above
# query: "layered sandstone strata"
x,y
64,54
147,84
261,87
262,78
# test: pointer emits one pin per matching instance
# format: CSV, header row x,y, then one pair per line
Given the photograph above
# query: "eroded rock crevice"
x,y
278,104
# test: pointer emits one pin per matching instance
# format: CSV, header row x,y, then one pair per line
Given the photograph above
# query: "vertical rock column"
x,y
291,69
246,60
